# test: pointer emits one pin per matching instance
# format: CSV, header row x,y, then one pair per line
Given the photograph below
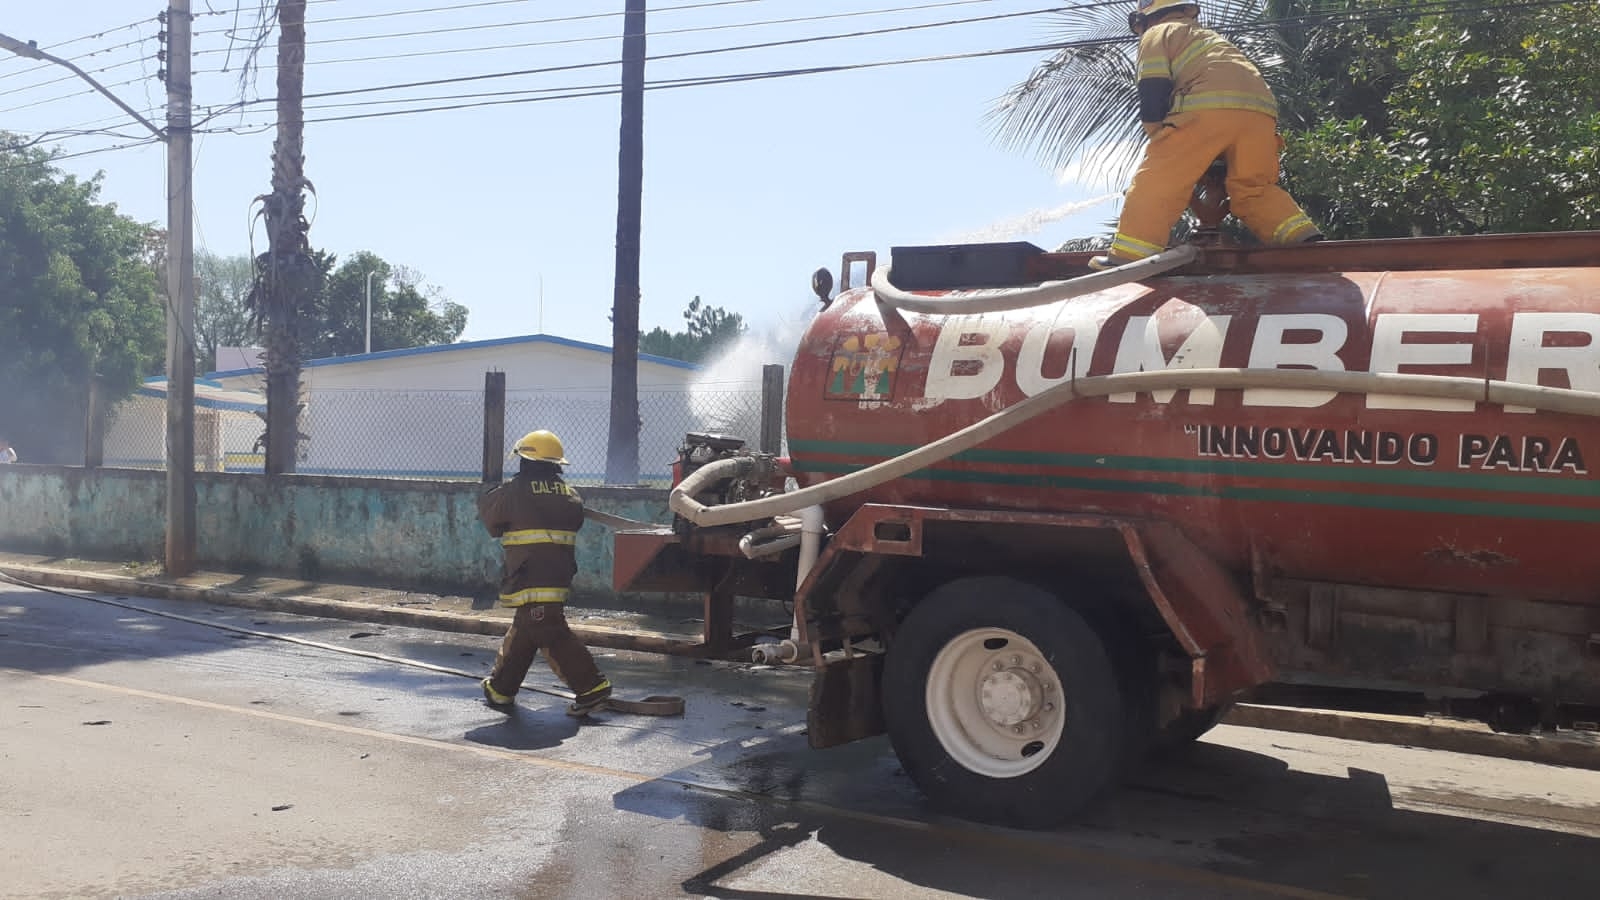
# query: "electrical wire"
x,y
61,156
460,79
612,37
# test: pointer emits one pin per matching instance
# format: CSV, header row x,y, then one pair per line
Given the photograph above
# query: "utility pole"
x,y
622,449
180,543
181,539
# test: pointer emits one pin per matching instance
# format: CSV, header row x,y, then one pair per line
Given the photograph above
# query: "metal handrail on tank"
x,y
1453,387
987,300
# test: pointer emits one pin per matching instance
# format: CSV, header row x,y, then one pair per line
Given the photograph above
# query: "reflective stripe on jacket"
x,y
1206,71
538,536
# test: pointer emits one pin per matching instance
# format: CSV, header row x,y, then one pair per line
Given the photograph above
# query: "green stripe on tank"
x,y
1393,502
1352,473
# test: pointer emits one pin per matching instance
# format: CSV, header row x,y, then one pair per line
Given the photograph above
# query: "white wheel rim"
x,y
994,702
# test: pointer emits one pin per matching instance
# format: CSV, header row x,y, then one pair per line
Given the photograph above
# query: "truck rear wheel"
x,y
1003,704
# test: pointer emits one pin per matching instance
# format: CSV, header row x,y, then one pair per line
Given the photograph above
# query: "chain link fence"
x,y
434,435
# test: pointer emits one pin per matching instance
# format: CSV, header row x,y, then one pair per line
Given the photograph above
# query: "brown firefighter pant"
x,y
536,626
1178,156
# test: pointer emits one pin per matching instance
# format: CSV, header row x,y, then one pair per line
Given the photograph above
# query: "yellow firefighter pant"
x,y
1180,154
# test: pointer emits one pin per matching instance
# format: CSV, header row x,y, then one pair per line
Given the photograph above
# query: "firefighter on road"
x,y
536,516
1200,98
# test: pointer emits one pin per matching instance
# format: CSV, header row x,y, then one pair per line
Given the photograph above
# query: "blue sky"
x,y
747,187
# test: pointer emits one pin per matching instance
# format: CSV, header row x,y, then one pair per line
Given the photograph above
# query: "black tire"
x,y
1068,772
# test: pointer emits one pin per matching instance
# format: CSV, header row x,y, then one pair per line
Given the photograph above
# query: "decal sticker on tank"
x,y
1500,452
863,368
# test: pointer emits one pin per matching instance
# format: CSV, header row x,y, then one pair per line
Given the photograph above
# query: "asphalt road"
x,y
143,756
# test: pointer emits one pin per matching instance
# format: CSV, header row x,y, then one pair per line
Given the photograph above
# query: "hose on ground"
x,y
1448,387
987,300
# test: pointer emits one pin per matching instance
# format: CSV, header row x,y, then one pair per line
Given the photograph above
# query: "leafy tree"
x,y
406,311
707,329
1396,122
78,295
1490,123
221,319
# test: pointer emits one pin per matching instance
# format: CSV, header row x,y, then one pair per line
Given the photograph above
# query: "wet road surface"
x,y
146,756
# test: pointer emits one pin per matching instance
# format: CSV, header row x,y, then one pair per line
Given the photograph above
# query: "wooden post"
x,y
771,409
94,430
494,427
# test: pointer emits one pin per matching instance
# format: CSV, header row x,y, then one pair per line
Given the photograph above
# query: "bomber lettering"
x,y
967,361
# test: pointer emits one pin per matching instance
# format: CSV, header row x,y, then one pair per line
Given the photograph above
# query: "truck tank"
x,y
1403,491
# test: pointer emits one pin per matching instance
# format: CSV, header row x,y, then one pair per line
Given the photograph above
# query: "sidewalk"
x,y
665,630
669,630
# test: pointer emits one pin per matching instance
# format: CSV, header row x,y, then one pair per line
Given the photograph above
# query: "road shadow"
x,y
1215,821
525,729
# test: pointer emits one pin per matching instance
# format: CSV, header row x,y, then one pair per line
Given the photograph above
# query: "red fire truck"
x,y
1040,522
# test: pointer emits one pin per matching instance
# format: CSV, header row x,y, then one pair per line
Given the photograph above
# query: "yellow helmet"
x,y
1151,7
1139,18
541,446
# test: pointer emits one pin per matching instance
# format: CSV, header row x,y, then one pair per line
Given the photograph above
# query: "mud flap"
x,y
845,701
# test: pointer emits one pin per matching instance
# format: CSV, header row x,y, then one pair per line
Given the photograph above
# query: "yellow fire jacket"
x,y
1205,70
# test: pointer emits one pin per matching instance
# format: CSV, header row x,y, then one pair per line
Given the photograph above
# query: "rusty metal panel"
x,y
845,704
1204,606
634,551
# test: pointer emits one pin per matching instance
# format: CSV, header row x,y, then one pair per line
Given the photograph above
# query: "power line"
x,y
653,34
583,91
502,98
462,6
46,65
81,93
74,76
460,79
61,156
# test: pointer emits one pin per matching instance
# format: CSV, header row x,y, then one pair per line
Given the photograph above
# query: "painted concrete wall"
x,y
415,535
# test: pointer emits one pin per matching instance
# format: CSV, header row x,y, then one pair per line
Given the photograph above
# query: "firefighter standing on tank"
x,y
1200,98
536,516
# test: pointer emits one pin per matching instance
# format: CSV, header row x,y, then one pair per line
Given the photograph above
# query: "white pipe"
x,y
767,542
811,530
1505,393
989,300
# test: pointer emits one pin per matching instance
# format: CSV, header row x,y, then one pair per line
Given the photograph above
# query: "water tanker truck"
x,y
1035,523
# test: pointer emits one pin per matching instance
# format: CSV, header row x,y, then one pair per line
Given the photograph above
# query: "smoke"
x,y
1029,223
725,395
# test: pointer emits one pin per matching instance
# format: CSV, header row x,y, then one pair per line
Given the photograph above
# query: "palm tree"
x,y
286,276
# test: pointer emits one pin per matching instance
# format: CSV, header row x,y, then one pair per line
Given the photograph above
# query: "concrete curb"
x,y
1574,751
1460,738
